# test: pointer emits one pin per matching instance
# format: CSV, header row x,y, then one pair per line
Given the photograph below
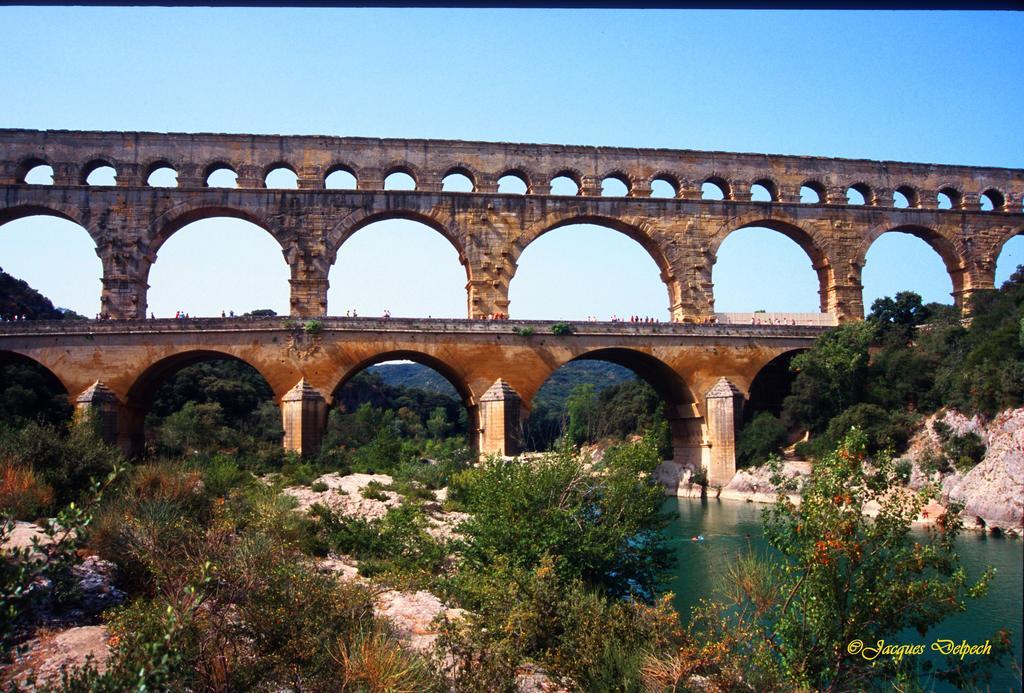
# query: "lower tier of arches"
x,y
702,380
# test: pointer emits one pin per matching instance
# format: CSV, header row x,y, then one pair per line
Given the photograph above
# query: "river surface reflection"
x,y
728,527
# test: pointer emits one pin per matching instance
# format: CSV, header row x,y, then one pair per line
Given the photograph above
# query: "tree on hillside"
x,y
18,298
830,377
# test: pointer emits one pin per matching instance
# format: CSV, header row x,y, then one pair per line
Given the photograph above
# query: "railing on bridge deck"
x,y
540,328
766,318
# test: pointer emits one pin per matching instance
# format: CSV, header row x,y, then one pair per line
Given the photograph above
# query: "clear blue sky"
x,y
935,87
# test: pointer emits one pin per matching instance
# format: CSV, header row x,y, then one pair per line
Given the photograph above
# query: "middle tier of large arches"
x,y
489,234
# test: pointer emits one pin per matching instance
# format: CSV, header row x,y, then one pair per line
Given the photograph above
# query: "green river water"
x,y
728,527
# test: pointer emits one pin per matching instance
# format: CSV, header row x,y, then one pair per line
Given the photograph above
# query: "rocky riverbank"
x,y
990,494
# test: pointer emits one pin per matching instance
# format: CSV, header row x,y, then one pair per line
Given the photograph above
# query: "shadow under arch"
x,y
445,370
14,358
770,386
678,405
634,231
669,385
813,246
142,390
947,250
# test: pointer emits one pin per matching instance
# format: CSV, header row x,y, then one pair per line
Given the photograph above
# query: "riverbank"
x,y
989,496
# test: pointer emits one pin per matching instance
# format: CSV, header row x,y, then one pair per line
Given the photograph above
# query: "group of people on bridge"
x,y
632,318
771,321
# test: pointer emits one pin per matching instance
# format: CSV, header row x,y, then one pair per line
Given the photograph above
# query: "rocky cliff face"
x,y
992,493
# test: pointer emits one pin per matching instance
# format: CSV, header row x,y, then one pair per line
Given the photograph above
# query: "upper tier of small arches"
x,y
711,176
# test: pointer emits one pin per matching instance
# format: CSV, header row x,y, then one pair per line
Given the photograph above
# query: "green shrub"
x,y
67,460
397,544
836,576
233,605
194,428
524,331
884,430
23,495
574,634
319,487
600,525
561,329
763,437
963,451
298,472
411,490
374,491
221,474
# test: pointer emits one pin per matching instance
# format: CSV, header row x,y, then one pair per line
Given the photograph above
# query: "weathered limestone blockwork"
x,y
725,404
500,426
117,365
490,230
304,416
99,403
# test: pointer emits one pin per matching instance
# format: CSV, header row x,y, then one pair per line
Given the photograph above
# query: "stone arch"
x,y
669,177
12,356
719,181
142,385
814,245
176,218
812,242
954,193
818,188
29,163
442,367
345,166
996,197
409,169
520,172
276,164
154,165
462,169
909,192
621,176
573,174
636,229
93,163
215,166
865,191
669,385
50,208
1001,241
361,218
949,250
768,183
680,404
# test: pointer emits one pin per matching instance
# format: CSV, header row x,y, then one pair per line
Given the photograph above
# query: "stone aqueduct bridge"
x,y
130,221
701,371
114,366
